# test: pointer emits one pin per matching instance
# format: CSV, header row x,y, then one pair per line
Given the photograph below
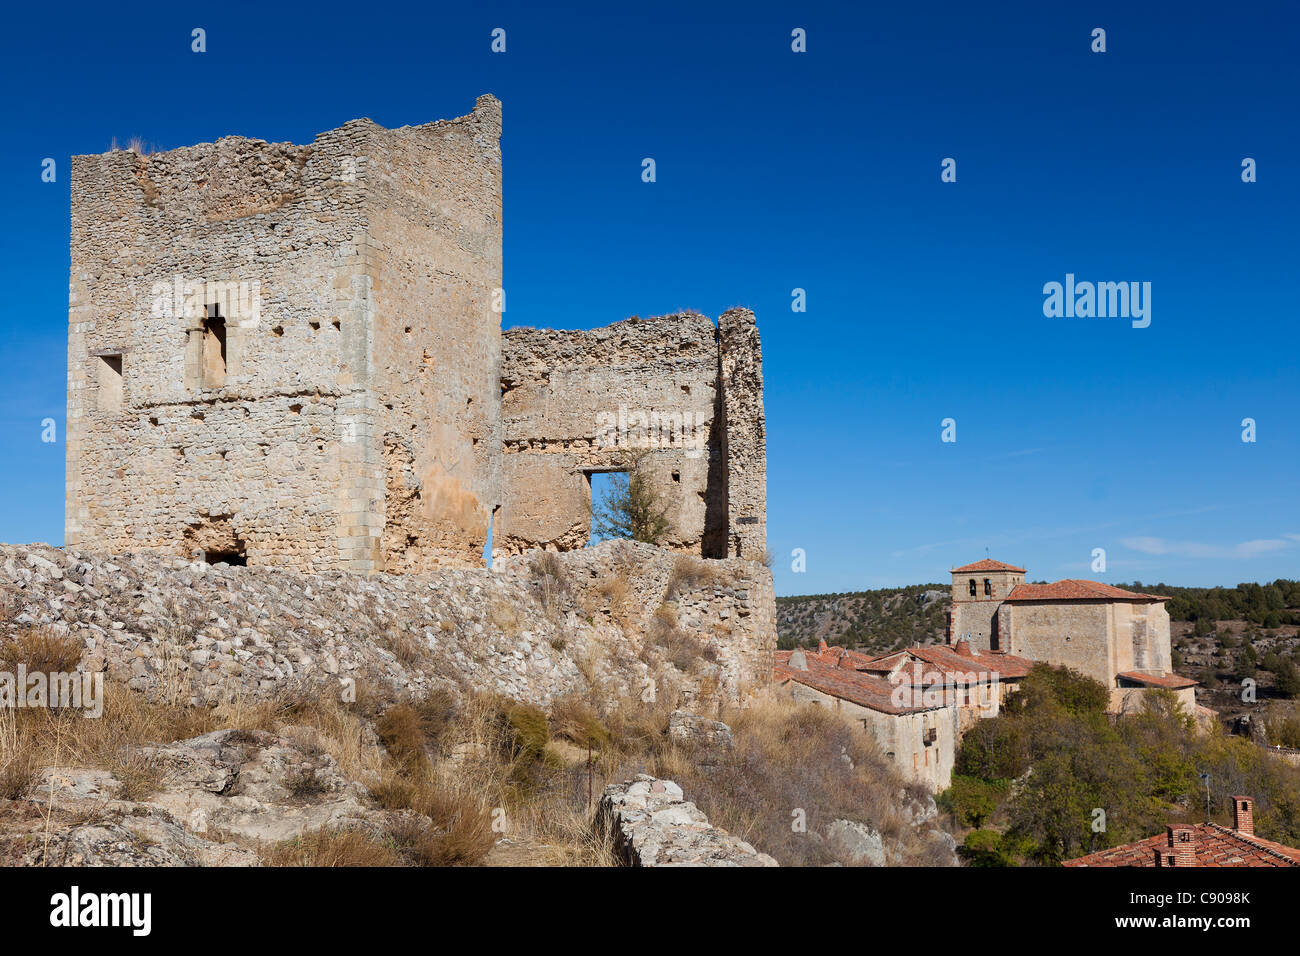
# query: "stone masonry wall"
x,y
264,433
675,392
744,434
434,261
1075,634
577,402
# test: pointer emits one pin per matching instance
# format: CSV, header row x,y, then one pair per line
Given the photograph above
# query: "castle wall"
x,y
300,427
175,457
434,265
743,435
577,402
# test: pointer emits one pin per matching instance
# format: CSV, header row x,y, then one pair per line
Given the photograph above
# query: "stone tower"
x,y
290,355
978,590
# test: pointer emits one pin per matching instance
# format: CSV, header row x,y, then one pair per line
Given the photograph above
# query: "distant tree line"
x,y
1268,605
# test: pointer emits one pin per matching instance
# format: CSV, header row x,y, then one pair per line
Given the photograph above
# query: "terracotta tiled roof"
x,y
865,690
1073,589
947,662
871,682
987,564
1170,681
1215,846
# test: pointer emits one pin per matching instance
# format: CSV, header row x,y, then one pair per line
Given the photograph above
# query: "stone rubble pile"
x,y
207,633
651,824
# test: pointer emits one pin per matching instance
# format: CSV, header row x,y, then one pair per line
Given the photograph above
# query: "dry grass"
x,y
40,649
790,757
551,579
331,848
680,647
690,574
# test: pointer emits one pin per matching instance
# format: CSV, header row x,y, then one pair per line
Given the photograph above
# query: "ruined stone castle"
x,y
292,355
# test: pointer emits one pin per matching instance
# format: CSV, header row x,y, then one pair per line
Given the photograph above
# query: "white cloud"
x,y
1196,549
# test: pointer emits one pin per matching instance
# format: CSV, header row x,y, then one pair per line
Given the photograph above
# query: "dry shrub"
x,y
410,730
331,848
681,648
41,650
788,755
504,616
614,590
305,783
551,579
461,833
18,767
689,574
140,774
573,718
401,730
408,649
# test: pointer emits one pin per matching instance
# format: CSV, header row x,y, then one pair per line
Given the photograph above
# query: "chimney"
x,y
797,661
1243,815
963,648
1182,845
845,661
821,647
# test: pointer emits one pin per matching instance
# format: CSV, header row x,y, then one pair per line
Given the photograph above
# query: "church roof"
x,y
1073,589
987,564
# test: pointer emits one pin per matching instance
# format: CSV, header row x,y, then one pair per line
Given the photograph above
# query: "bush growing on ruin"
x,y
633,507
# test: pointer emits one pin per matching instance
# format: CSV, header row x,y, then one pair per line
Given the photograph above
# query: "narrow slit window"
x,y
214,348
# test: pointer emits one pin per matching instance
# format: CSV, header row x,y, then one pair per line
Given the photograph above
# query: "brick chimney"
x,y
963,648
821,647
1182,845
1243,815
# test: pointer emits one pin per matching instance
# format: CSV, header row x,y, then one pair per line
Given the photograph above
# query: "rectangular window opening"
x,y
214,349
607,490
110,382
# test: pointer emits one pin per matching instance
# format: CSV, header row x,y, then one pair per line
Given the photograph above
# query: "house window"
x,y
214,348
973,590
110,383
988,587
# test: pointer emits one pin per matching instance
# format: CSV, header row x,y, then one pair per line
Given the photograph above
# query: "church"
x,y
1118,637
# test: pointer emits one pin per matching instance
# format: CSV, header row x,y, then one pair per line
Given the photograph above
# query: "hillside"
x,y
879,620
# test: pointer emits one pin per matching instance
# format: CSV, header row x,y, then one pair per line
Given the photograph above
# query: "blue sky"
x,y
819,171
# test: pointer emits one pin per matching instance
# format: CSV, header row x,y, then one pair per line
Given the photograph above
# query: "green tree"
x,y
633,507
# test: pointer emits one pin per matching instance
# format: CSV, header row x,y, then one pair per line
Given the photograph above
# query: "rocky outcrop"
x,y
217,799
651,824
856,843
700,731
